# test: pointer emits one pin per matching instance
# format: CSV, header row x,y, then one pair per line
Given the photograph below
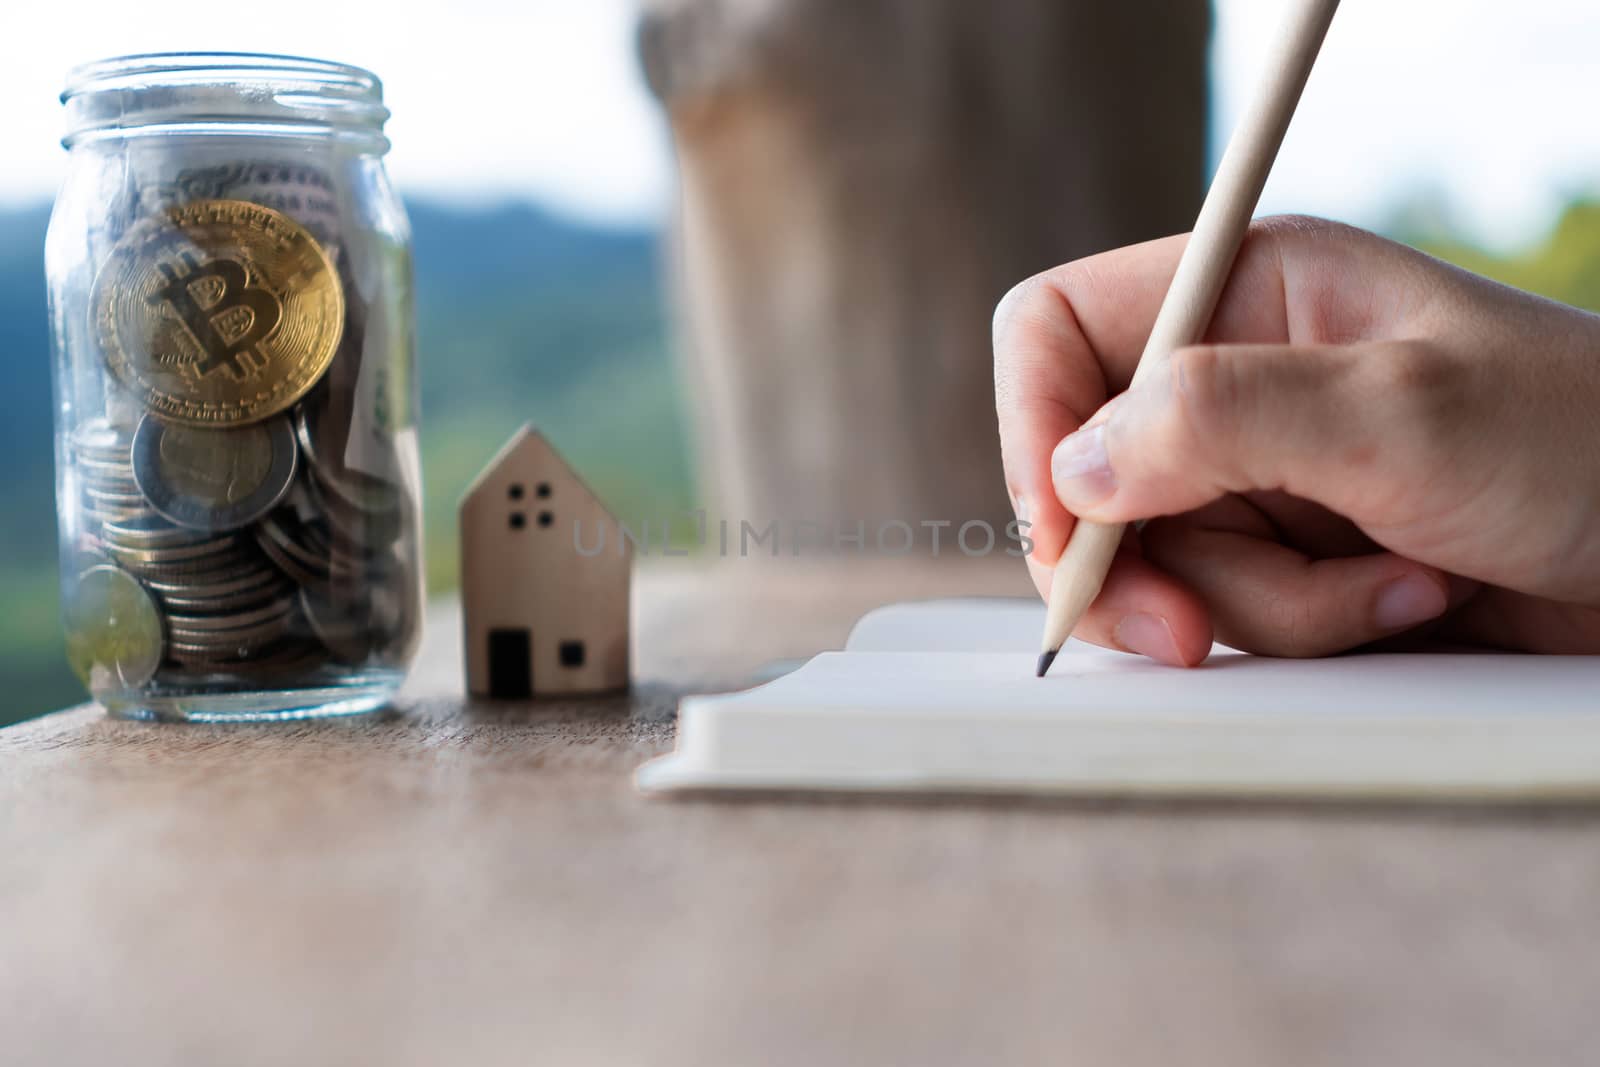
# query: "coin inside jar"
x,y
300,549
214,480
114,632
148,531
98,440
217,590
342,626
186,555
323,424
218,312
223,636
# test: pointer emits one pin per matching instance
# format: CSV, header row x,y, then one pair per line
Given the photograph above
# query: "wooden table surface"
x,y
479,885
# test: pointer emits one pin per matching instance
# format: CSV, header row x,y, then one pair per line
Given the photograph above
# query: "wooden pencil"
x,y
1202,272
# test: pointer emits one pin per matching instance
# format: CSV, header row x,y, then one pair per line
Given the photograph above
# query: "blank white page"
x,y
970,624
1368,725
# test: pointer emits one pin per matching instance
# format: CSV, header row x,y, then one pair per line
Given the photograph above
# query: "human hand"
x,y
1370,446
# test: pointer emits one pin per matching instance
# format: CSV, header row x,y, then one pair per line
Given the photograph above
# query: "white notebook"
x,y
941,697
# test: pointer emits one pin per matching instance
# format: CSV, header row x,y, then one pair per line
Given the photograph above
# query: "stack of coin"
x,y
338,538
239,590
103,460
226,521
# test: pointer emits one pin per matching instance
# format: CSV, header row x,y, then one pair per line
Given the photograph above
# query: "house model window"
x,y
541,619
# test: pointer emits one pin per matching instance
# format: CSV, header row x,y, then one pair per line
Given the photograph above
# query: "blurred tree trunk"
x,y
861,181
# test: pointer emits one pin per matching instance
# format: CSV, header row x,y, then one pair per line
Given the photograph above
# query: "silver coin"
x,y
235,560
111,479
111,498
101,514
216,657
228,572
147,531
351,560
99,440
291,567
344,627
239,641
119,462
240,620
224,606
137,561
224,645
99,470
155,557
370,529
288,662
299,548
224,586
322,423
114,632
199,656
215,479
191,655
123,492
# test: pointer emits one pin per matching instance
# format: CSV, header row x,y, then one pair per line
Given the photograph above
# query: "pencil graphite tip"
x,y
1045,659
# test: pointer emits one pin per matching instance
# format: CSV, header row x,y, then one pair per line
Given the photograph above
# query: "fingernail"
x,y
1407,601
1148,635
1081,470
1019,504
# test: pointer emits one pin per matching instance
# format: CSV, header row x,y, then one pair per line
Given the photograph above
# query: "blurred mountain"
x,y
521,315
516,297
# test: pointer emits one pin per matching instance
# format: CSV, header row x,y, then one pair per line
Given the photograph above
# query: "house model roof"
x,y
529,444
545,605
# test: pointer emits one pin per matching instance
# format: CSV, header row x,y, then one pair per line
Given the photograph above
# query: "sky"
x,y
1478,102
535,99
1486,102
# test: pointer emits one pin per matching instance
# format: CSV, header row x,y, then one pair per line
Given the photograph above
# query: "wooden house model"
x,y
541,618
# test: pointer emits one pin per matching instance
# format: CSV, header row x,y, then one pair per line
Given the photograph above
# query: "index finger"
x,y
1067,340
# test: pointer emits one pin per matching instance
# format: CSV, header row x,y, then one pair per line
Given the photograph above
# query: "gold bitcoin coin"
x,y
218,312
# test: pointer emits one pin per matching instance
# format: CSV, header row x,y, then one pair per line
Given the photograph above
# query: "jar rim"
x,y
147,91
158,68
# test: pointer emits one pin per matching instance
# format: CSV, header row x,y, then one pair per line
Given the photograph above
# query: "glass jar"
x,y
237,473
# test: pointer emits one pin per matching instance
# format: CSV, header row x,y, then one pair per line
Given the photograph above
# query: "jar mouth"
x,y
222,92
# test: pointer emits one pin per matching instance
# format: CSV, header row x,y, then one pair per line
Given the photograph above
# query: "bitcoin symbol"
x,y
202,322
218,312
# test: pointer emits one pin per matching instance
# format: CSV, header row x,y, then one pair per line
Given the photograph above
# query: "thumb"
x,y
1226,419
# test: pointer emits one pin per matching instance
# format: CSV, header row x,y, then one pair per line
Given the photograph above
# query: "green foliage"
x,y
620,428
1564,265
33,661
